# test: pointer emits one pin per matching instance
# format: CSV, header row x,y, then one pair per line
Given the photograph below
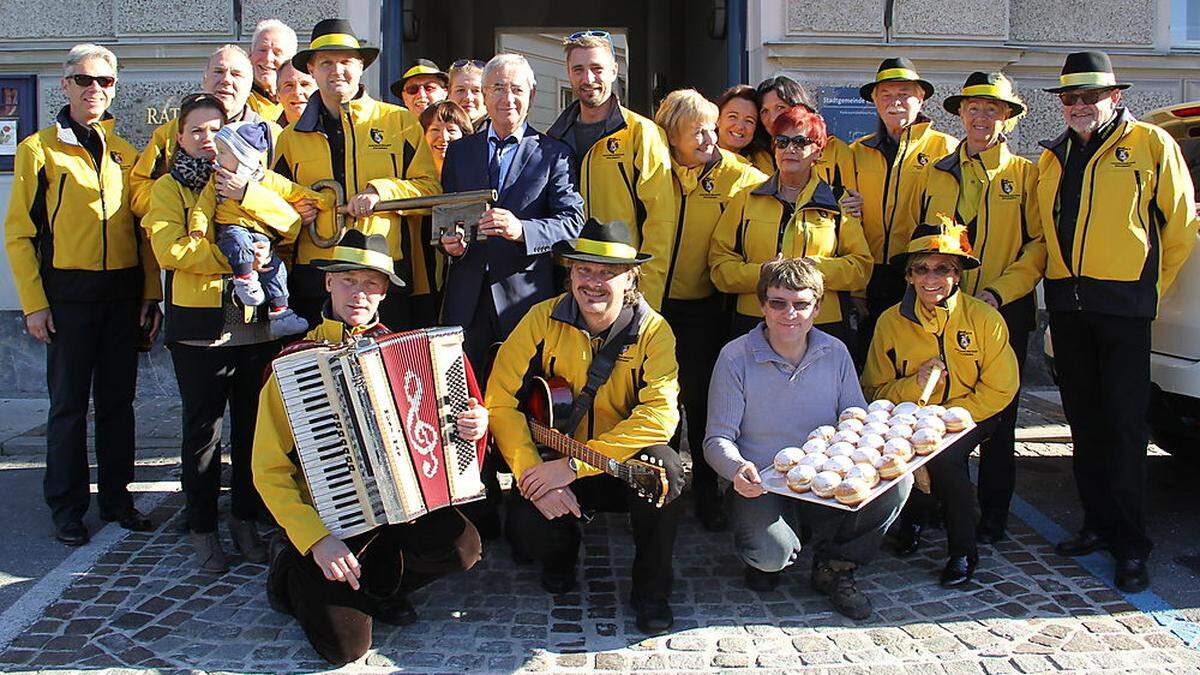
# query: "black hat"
x,y
895,70
357,251
606,243
940,234
1087,70
419,67
333,35
995,86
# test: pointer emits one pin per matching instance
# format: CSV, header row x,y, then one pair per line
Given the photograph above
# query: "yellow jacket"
x,y
1006,233
626,176
424,270
69,233
1136,223
760,159
756,227
262,104
888,190
701,195
284,223
636,408
155,159
968,336
277,476
384,148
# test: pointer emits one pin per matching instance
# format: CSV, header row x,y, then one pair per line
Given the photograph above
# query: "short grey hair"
x,y
83,52
268,25
510,60
227,48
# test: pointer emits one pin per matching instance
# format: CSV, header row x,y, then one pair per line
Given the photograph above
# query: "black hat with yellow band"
x,y
605,243
420,67
895,70
940,234
357,251
333,35
1087,70
994,86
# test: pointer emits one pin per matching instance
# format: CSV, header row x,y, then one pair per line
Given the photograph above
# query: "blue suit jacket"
x,y
539,188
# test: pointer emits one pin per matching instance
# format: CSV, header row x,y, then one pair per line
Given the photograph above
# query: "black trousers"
x,y
698,336
997,455
93,353
209,379
395,560
555,543
1103,365
885,288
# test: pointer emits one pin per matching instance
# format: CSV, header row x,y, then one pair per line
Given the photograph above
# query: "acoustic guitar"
x,y
547,406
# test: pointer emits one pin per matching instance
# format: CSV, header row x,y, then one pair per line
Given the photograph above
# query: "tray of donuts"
x,y
849,464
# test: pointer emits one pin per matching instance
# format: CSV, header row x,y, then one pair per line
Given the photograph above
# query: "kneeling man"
x,y
618,357
771,387
335,588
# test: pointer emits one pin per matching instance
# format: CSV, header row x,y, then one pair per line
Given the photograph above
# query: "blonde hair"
x,y
587,42
684,106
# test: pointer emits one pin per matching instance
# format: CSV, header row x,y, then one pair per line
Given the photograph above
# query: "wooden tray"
x,y
773,481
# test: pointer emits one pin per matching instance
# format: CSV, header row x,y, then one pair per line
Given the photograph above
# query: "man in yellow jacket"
x,y
375,151
228,76
272,45
888,166
621,159
336,588
1119,214
633,410
89,288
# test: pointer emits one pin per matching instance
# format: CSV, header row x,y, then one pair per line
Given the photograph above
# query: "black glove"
x,y
663,457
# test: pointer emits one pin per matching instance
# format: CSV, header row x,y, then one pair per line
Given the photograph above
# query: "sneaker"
x,y
248,290
285,322
247,541
835,580
209,556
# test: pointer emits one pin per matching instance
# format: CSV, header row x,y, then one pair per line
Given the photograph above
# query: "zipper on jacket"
x,y
942,353
1078,271
632,202
349,132
1137,178
103,209
678,242
987,225
901,153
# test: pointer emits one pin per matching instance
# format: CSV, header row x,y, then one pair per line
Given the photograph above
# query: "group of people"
x,y
698,251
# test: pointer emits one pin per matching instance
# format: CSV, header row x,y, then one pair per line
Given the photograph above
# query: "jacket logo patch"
x,y
922,159
1122,154
707,184
965,339
1006,186
613,145
116,157
376,135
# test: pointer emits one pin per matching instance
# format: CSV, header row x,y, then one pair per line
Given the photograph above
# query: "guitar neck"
x,y
569,447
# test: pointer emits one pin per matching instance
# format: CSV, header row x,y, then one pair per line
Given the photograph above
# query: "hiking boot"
x,y
247,541
209,556
835,580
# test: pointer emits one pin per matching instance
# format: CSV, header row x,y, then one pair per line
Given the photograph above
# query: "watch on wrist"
x,y
574,464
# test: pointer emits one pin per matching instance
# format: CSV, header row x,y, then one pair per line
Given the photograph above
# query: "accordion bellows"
x,y
374,425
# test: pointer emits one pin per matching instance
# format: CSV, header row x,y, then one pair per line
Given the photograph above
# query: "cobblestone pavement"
x,y
140,606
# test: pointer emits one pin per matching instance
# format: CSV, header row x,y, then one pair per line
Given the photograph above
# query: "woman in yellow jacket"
x,y
704,178
219,350
994,192
939,331
738,128
793,214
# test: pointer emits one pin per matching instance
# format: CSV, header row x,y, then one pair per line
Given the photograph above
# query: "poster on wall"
x,y
8,137
847,115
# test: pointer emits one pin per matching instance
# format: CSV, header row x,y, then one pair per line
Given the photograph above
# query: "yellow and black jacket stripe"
x,y
69,232
966,333
1006,230
1136,223
626,176
384,147
701,196
757,226
636,408
889,190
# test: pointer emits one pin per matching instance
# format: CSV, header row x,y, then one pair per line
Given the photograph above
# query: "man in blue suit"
x,y
492,284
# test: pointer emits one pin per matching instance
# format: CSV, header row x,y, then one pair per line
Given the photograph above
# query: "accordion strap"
x,y
623,333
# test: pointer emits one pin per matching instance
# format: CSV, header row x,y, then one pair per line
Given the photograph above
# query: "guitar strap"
x,y
622,333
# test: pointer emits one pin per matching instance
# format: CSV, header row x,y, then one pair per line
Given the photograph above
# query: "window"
x,y
18,114
1185,23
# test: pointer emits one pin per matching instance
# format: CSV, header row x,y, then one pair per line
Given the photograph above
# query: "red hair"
x,y
805,121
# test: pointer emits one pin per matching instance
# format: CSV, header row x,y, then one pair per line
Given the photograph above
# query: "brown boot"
x,y
246,540
206,547
835,579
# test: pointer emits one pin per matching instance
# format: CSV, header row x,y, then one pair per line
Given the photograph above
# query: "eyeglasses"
x,y
942,270
463,63
800,141
1092,97
85,81
781,305
429,88
502,89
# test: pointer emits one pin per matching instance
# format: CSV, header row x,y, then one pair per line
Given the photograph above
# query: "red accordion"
x,y
375,427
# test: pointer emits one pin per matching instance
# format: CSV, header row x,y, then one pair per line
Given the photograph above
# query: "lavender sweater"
x,y
758,403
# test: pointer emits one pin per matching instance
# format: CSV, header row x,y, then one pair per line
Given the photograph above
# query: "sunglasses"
x,y
429,88
85,81
463,63
939,270
781,305
1091,97
800,141
590,33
